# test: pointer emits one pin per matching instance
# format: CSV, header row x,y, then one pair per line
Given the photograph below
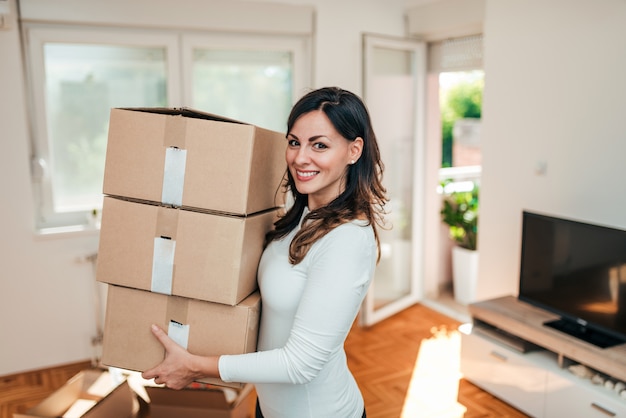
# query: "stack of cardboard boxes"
x,y
189,197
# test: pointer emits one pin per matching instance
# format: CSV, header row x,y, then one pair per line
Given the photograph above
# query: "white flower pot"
x,y
464,274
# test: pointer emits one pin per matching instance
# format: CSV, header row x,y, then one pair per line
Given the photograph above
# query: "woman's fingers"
x,y
171,371
163,338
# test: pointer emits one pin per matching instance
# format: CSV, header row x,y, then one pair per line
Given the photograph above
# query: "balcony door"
x,y
394,73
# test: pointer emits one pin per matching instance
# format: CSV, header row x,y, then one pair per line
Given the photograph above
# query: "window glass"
x,y
82,83
461,108
250,86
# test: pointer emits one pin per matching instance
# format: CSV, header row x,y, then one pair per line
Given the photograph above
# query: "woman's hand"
x,y
179,368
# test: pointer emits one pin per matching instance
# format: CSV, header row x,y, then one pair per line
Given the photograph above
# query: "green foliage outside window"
x,y
462,100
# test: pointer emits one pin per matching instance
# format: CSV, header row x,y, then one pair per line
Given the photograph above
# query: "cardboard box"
x,y
183,157
180,252
204,328
201,403
89,394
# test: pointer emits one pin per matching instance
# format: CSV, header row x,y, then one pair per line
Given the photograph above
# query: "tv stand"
x,y
510,352
597,338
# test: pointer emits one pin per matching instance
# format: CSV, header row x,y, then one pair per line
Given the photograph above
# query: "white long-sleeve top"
x,y
300,367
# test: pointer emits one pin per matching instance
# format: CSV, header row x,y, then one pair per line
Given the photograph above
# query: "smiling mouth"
x,y
306,174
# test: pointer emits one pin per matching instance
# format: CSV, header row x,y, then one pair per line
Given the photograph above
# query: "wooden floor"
x,y
383,359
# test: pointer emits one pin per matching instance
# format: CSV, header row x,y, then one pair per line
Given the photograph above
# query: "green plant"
x,y
460,212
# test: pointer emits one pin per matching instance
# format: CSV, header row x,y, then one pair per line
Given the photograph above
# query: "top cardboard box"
x,y
186,158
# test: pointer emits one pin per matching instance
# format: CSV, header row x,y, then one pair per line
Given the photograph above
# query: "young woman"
x,y
315,270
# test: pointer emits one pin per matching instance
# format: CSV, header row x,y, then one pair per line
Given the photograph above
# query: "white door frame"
x,y
370,314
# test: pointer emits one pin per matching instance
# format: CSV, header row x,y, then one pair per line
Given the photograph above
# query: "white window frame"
x,y
298,46
36,37
178,45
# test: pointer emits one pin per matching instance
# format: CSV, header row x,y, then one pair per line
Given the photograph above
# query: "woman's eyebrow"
x,y
313,138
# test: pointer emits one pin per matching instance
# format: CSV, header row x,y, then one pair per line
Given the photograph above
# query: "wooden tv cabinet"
x,y
507,351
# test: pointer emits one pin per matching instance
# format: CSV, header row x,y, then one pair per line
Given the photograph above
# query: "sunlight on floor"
x,y
434,384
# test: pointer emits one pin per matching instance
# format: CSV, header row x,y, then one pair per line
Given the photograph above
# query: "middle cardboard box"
x,y
199,255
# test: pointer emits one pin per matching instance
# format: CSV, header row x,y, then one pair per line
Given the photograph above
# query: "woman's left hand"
x,y
176,371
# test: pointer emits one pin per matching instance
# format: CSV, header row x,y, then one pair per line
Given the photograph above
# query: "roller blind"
x,y
457,54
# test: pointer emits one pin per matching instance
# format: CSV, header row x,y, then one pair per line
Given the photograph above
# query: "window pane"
x,y
393,77
83,82
461,108
250,86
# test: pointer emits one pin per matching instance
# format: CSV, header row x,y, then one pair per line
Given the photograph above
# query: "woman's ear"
x,y
356,148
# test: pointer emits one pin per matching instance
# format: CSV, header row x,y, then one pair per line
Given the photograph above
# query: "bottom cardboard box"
x,y
201,403
204,328
89,394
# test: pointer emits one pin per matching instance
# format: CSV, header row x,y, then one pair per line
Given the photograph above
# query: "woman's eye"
x,y
293,143
319,146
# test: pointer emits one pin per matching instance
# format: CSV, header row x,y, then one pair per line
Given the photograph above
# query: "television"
x,y
577,271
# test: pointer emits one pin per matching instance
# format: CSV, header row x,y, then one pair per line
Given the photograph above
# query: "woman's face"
x,y
318,156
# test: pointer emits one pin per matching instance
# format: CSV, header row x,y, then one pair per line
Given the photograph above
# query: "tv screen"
x,y
576,270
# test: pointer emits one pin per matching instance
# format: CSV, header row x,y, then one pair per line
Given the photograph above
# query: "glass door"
x,y
394,73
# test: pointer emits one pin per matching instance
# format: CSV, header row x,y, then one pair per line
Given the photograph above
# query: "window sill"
x,y
74,231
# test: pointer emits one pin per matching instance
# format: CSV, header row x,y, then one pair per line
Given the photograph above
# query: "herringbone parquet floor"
x,y
404,365
407,366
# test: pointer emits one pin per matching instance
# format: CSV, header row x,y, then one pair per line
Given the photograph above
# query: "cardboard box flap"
x,y
203,402
96,394
60,400
189,398
185,112
121,402
280,207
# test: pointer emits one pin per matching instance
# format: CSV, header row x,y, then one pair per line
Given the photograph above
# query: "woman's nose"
x,y
302,156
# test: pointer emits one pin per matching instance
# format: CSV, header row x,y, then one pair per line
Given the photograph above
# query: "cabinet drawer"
x,y
570,396
516,378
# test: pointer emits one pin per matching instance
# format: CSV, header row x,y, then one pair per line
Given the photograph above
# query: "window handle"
x,y
498,356
602,409
38,168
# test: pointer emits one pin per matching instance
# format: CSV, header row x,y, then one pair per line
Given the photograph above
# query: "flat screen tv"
x,y
577,271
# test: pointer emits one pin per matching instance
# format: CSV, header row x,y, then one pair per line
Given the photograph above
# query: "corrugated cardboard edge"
x,y
183,111
164,397
193,208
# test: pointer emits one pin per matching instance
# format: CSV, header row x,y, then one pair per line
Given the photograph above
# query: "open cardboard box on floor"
x,y
89,394
201,403
204,328
181,252
192,159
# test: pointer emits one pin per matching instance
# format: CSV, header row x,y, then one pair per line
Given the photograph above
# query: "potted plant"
x,y
459,211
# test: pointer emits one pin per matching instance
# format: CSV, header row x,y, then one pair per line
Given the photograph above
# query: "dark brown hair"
x,y
364,195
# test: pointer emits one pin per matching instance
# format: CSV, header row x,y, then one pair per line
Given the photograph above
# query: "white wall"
x,y
46,296
45,299
554,93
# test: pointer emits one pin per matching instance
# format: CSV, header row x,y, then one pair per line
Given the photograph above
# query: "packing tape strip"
x,y
163,265
176,313
174,176
179,333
